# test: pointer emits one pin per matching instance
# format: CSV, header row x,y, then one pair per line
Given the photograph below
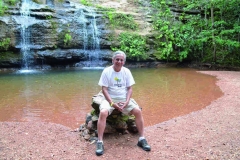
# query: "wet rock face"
x,y
116,122
58,28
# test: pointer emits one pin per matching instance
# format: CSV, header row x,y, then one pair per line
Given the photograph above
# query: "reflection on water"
x,y
64,96
28,71
166,93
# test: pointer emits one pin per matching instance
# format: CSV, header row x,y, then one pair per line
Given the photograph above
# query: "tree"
x,y
207,30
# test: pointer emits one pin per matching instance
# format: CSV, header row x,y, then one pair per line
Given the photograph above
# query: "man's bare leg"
x,y
101,123
100,128
142,142
139,120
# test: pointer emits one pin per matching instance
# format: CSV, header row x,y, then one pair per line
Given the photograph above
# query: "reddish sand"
x,y
210,133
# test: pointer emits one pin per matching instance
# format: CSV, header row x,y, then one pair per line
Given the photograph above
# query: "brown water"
x,y
64,97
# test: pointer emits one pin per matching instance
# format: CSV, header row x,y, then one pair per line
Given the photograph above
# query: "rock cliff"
x,y
64,33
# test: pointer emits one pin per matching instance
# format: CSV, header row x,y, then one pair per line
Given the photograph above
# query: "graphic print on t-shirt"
x,y
118,84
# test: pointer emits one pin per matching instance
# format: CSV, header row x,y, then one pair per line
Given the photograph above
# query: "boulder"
x,y
116,122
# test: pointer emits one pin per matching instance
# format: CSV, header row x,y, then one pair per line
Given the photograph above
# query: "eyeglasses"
x,y
119,59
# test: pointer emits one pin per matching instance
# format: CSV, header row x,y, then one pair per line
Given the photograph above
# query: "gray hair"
x,y
117,53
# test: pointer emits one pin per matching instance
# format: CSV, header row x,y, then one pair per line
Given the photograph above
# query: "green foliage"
x,y
111,37
67,38
5,3
5,43
48,17
3,7
11,2
198,35
105,9
54,26
166,38
133,45
120,20
85,2
59,1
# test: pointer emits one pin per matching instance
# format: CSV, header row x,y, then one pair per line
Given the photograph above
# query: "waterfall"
x,y
50,3
94,35
82,20
90,37
25,33
83,25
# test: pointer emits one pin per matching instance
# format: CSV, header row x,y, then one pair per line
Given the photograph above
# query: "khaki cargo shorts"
x,y
131,105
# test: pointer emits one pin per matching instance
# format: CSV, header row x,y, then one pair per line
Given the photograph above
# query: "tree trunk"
x,y
213,39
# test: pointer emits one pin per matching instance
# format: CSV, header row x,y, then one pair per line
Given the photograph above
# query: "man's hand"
x,y
117,107
120,106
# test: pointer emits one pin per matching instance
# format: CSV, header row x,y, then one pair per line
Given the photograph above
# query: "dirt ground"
x,y
210,133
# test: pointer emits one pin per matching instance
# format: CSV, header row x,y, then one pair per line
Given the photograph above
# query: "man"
x,y
116,82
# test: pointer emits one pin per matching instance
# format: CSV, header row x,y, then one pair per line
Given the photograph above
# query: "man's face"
x,y
118,61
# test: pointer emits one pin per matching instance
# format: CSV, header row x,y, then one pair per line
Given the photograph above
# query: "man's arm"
x,y
129,94
105,93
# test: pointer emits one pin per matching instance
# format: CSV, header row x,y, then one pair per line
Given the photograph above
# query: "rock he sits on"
x,y
116,122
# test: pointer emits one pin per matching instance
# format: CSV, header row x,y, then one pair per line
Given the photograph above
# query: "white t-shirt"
x,y
117,82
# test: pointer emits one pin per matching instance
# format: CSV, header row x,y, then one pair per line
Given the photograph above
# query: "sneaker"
x,y
100,149
144,145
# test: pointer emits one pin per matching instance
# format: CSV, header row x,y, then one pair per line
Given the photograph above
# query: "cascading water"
x,y
94,36
90,35
50,3
82,20
25,34
83,25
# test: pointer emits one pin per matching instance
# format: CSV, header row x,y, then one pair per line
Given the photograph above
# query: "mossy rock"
x,y
117,119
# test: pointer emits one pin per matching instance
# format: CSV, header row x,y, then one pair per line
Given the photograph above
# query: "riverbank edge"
x,y
144,64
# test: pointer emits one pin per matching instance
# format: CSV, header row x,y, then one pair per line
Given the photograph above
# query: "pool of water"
x,y
64,96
